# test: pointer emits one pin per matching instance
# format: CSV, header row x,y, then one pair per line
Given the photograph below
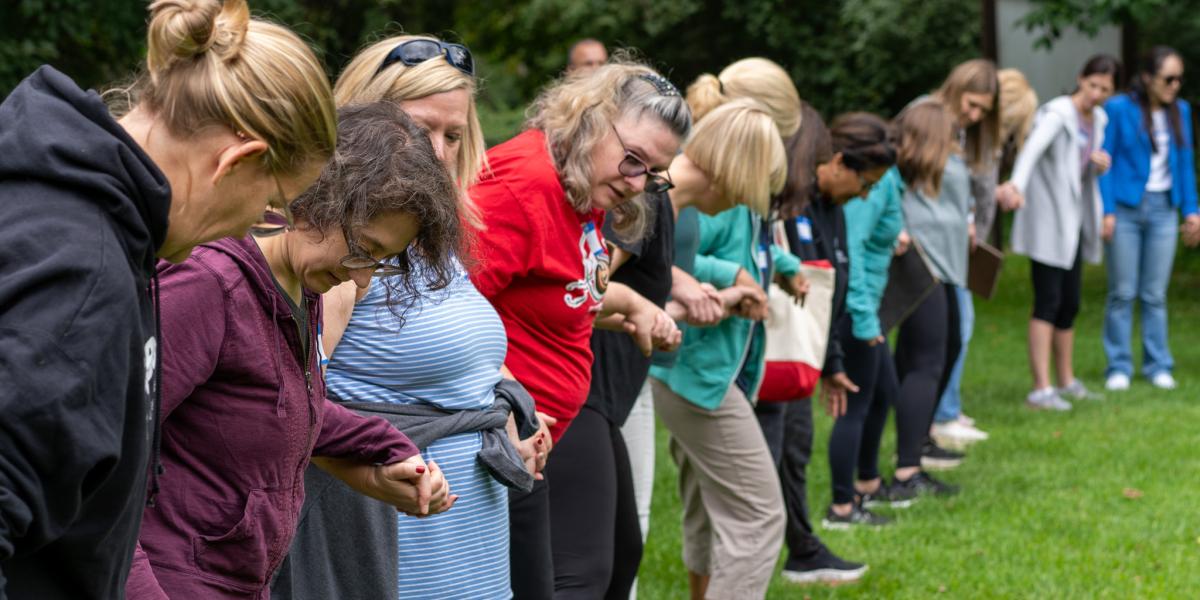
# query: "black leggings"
x,y
926,348
1056,292
788,428
857,434
595,533
530,560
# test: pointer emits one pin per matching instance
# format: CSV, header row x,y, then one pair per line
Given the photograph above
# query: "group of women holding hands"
x,y
268,337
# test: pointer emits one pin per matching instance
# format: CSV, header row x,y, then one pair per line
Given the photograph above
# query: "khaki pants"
x,y
733,516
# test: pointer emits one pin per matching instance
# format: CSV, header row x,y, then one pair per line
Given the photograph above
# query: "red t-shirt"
x,y
538,270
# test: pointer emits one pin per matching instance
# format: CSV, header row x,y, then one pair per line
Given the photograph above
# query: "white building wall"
x,y
1052,72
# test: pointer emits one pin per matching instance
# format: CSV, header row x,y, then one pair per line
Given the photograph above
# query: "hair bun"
x,y
184,29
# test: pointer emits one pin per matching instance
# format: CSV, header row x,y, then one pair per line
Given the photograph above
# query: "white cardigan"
x,y
1062,201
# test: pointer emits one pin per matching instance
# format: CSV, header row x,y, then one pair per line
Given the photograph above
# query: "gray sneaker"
x,y
1077,391
1047,399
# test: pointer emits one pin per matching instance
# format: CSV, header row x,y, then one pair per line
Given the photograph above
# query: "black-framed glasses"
x,y
632,166
276,219
359,259
415,52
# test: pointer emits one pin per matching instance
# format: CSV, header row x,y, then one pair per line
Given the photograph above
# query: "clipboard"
x,y
983,270
910,281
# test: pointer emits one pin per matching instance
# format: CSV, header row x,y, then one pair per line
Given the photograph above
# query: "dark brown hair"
x,y
384,163
810,146
1151,64
864,140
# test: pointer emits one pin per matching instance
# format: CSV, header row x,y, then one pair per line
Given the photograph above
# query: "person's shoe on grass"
x,y
857,516
824,567
921,484
1077,391
1047,399
888,495
935,457
1117,382
1163,381
955,434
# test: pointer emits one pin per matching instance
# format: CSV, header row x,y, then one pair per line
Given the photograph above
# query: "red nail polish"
x,y
420,470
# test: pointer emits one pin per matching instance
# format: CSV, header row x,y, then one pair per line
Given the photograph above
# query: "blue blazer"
x,y
1126,140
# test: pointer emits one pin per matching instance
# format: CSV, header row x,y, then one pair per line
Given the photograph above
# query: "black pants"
x,y
596,537
1056,292
530,559
926,348
788,427
856,435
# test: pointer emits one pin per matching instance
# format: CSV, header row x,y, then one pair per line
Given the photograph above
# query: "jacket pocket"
x,y
241,554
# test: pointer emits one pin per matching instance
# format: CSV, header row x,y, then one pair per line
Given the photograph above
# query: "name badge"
x,y
804,229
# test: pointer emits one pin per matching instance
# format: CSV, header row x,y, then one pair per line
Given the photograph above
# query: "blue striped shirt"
x,y
448,354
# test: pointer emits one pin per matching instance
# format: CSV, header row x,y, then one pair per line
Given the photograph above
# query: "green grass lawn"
x,y
1101,502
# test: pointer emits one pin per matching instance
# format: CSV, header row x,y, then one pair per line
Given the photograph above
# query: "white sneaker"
x,y
1047,399
965,420
954,434
1163,381
1077,391
1117,382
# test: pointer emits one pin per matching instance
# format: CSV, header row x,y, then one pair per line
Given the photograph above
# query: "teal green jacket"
x,y
872,225
710,357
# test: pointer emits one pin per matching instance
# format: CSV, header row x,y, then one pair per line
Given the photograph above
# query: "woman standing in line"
x,y
1152,181
730,158
244,406
1018,103
441,350
592,146
229,111
1059,226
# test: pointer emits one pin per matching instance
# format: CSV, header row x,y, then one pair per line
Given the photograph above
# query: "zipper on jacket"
x,y
766,285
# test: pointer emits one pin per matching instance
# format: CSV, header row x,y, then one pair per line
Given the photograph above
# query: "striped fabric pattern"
x,y
448,354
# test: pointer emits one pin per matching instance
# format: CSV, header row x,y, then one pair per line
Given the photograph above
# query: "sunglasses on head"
x,y
415,52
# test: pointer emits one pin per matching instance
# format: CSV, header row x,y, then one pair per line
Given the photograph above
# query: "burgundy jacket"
x,y
242,413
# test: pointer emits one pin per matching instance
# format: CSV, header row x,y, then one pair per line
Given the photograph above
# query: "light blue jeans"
x,y
1139,262
950,405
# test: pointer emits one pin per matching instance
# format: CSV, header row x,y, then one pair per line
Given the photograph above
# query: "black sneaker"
x,y
823,567
888,495
935,457
858,516
922,483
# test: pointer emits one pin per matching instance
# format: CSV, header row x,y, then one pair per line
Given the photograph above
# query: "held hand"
x,y
903,242
1009,197
795,286
750,303
876,341
413,487
833,393
1191,231
1101,160
1109,226
971,235
697,298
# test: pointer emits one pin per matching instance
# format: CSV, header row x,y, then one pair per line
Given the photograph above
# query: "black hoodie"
x,y
82,212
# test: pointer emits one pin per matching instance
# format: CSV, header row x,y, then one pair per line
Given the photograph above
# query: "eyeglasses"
x,y
632,166
359,259
415,52
1173,79
274,222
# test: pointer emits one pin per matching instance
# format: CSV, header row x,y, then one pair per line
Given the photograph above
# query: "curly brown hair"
x,y
384,163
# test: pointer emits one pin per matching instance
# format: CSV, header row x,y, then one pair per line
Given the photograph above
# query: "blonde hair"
x,y
738,146
924,142
983,141
756,78
360,83
208,63
1018,104
576,112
